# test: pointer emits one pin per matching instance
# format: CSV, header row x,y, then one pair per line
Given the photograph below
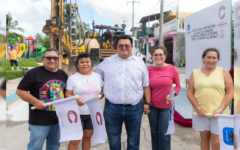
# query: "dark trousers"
x,y
15,62
158,119
114,116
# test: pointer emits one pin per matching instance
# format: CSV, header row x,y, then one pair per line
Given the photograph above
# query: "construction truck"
x,y
63,27
106,37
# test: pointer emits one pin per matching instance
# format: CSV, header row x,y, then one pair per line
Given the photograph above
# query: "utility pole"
x,y
160,42
177,8
133,14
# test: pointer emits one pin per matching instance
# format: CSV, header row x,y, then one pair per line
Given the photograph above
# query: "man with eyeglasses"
x,y
46,84
126,78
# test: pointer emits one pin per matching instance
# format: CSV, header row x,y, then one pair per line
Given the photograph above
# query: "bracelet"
x,y
198,109
150,104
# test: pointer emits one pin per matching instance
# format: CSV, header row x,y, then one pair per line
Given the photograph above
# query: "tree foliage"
x,y
15,36
43,39
11,24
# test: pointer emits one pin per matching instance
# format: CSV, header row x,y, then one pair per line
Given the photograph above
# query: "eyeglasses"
x,y
127,46
50,58
160,55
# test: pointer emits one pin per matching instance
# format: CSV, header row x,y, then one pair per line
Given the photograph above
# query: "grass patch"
x,y
14,74
24,63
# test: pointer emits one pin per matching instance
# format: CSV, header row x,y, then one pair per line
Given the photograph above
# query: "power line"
x,y
153,7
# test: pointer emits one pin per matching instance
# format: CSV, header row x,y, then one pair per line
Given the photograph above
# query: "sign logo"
x,y
75,115
188,27
99,122
228,136
222,16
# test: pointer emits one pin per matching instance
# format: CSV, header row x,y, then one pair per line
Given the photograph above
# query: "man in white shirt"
x,y
125,79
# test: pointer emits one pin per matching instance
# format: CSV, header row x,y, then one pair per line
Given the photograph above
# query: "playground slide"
x,y
22,49
42,50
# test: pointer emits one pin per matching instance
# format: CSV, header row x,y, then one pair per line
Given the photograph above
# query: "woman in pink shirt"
x,y
162,76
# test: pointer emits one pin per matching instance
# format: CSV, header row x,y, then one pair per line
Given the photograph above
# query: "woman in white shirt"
x,y
86,84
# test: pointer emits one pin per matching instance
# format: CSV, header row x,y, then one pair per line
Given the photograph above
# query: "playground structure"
x,y
25,50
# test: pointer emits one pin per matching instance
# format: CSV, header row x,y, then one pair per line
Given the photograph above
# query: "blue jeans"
x,y
158,119
114,116
38,135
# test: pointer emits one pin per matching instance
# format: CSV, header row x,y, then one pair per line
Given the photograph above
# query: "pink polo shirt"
x,y
161,80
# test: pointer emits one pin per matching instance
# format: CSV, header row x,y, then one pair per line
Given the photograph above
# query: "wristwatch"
x,y
150,104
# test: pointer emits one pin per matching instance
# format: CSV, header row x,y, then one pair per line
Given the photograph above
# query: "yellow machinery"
x,y
63,28
107,38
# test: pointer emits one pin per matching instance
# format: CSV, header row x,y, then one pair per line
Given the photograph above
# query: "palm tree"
x,y
38,36
11,24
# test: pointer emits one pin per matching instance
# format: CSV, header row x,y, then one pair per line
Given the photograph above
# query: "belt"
x,y
124,104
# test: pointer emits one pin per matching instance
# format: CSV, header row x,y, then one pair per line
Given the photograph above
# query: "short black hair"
x,y
124,37
211,50
49,50
80,56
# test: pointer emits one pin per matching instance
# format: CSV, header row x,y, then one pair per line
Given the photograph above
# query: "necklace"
x,y
88,78
85,76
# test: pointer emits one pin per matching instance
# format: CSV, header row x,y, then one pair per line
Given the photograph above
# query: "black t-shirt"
x,y
3,86
46,86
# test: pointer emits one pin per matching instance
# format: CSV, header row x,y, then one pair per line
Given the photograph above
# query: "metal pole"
x,y
177,8
133,15
70,27
88,32
133,20
160,42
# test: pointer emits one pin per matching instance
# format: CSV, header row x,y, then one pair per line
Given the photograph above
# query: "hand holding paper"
x,y
57,101
201,113
80,101
40,105
171,95
170,98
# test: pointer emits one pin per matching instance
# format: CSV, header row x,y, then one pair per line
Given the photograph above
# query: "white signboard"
x,y
208,28
237,31
176,25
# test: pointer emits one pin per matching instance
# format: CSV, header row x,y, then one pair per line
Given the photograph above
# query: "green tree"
x,y
85,30
46,41
14,36
38,36
11,24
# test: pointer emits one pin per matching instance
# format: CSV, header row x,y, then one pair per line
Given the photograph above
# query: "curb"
x,y
11,98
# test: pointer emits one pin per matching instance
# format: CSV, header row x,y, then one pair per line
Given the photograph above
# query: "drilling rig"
x,y
106,36
62,28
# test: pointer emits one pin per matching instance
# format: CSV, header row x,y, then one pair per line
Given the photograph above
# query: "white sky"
x,y
31,14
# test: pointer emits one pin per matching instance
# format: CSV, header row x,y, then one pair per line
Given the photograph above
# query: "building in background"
x,y
173,36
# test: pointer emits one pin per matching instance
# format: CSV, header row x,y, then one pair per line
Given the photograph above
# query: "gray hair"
x,y
49,50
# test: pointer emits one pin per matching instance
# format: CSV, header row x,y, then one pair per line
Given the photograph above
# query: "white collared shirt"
x,y
123,79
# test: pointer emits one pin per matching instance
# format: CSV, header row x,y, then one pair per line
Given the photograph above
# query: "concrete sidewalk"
x,y
182,139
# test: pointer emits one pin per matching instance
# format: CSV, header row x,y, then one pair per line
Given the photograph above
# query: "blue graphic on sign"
x,y
188,27
228,135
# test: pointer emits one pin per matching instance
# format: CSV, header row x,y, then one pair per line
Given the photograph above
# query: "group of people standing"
x,y
126,81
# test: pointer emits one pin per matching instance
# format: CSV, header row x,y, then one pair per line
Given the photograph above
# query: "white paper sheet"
x,y
69,120
95,108
226,132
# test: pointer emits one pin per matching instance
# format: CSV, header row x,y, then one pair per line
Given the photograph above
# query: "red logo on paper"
x,y
74,113
220,10
99,122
